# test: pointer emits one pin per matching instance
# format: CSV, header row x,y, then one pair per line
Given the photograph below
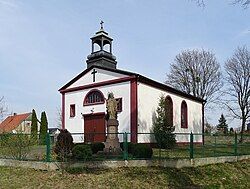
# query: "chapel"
x,y
84,100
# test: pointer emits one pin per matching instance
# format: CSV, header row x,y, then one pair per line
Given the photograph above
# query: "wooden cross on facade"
x,y
94,72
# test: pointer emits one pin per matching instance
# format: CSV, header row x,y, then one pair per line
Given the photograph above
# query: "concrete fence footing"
x,y
178,163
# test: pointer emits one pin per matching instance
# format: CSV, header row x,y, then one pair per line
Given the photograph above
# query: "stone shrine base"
x,y
112,146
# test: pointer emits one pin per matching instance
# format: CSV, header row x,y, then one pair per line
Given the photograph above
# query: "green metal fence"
x,y
222,145
189,145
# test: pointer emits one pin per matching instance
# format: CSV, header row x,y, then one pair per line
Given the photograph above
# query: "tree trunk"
x,y
242,129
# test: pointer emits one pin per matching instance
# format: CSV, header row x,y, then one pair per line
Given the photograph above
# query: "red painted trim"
x,y
89,104
203,123
141,78
93,114
110,82
133,110
167,88
63,111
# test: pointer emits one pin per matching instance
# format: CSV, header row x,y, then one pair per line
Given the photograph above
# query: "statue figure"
x,y
112,145
111,106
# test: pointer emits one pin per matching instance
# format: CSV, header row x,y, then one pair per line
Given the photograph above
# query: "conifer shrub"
x,y
97,146
43,128
34,128
142,151
222,127
64,144
82,152
163,127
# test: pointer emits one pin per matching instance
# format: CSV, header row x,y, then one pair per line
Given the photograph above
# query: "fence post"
x,y
191,146
235,144
160,145
125,146
215,145
47,147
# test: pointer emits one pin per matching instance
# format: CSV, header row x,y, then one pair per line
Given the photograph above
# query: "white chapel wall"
x,y
148,99
76,124
101,75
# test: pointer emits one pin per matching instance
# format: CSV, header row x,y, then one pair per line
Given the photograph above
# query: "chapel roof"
x,y
12,122
140,78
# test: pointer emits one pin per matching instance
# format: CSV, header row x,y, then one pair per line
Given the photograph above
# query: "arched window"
x,y
93,97
169,110
184,115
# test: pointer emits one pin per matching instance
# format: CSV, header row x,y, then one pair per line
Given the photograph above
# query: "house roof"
x,y
51,130
140,78
12,122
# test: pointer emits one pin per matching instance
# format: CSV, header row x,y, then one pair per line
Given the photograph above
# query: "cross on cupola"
x,y
94,72
101,23
101,54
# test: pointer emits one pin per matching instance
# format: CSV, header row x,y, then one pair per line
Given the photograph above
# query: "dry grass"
x,y
228,175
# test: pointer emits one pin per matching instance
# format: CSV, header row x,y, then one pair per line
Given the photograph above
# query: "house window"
x,y
119,104
93,97
72,110
184,115
169,110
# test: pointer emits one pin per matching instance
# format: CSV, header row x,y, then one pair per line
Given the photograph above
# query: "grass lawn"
x,y
227,175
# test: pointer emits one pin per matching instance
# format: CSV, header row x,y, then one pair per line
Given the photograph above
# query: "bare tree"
x,y
196,72
59,117
3,107
243,3
238,79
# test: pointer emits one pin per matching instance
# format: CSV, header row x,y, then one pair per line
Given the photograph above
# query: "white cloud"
x,y
244,32
8,4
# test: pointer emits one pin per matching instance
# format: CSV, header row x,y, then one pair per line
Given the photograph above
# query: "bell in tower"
x,y
103,55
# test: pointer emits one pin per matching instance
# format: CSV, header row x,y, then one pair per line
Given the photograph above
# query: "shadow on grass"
x,y
174,178
180,179
80,170
168,177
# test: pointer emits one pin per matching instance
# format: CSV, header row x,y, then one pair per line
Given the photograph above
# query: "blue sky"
x,y
44,44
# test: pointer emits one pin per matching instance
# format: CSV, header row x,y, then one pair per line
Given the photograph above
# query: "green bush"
x,y
142,151
130,147
16,146
82,152
97,146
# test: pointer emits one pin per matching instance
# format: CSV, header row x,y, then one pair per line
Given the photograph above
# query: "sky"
x,y
45,43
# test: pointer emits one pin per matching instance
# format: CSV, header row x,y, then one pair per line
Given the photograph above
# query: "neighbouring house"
x,y
17,123
84,100
53,133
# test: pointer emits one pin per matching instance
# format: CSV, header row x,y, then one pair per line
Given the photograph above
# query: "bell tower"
x,y
102,56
